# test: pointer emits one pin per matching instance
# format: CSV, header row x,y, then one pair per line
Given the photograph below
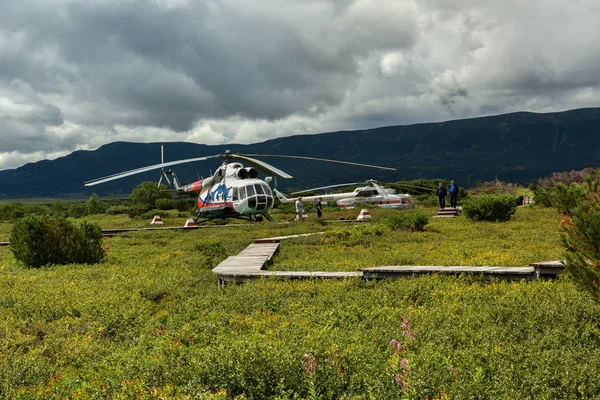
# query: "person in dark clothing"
x,y
453,190
441,192
319,208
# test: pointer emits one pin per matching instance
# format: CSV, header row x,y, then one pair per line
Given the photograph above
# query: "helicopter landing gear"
x,y
257,218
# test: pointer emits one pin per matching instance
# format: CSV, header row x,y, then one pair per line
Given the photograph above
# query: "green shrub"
x,y
426,200
148,192
566,198
137,209
95,205
185,204
409,222
12,212
59,208
114,210
164,204
491,207
582,236
77,210
152,213
543,196
37,241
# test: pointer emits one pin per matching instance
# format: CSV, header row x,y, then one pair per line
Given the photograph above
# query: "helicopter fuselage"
x,y
232,193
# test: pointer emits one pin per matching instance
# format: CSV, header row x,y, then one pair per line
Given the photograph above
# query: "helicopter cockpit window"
x,y
250,190
242,193
259,189
235,194
267,189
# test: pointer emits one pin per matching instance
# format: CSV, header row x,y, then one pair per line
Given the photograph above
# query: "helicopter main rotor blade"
x,y
323,159
263,166
144,169
329,187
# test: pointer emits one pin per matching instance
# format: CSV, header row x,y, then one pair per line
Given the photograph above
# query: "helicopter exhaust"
x,y
242,173
252,172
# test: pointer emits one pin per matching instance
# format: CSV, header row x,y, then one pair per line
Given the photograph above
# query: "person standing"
x,y
299,209
319,207
453,190
441,192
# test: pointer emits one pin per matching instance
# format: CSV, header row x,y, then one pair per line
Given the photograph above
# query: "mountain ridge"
x,y
517,147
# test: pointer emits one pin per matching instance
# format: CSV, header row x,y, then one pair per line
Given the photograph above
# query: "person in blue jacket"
x,y
453,190
441,192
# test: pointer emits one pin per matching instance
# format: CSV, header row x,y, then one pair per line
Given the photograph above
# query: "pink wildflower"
x,y
395,343
310,365
403,364
406,329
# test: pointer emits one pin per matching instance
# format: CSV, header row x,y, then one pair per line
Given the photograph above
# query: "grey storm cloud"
x,y
77,74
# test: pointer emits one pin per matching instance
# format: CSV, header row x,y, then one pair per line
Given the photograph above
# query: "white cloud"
x,y
79,74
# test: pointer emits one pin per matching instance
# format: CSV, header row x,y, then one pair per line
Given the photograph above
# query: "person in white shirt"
x,y
299,208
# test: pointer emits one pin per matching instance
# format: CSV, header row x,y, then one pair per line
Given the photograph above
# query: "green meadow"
x,y
150,322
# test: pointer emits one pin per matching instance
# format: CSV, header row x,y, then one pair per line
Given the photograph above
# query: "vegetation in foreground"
x,y
150,321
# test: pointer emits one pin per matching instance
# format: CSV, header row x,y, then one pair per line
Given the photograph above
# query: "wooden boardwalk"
x,y
506,273
250,263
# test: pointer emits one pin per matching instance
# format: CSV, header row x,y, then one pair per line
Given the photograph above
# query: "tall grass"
x,y
150,322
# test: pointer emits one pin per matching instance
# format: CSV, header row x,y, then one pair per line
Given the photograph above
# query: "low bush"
x,y
95,205
152,213
41,240
543,196
426,200
491,207
164,204
115,210
77,210
496,187
408,222
185,204
137,209
12,212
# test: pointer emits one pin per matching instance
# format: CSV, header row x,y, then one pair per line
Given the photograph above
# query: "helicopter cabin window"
x,y
366,193
242,193
235,194
250,189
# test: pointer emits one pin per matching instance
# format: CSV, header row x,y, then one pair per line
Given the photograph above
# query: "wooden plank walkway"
x,y
250,263
397,271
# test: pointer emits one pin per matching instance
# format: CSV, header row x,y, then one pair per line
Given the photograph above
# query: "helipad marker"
x,y
364,215
190,222
157,220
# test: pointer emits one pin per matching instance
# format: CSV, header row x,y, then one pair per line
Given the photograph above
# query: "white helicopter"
x,y
373,194
233,191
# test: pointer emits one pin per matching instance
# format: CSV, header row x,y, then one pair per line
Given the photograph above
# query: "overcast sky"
x,y
79,74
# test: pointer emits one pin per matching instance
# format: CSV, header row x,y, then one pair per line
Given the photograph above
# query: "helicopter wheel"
x,y
258,218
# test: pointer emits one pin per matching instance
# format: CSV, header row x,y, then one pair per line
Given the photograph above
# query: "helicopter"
x,y
234,190
373,193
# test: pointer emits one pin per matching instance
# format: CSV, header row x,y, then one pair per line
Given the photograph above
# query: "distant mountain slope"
x,y
516,147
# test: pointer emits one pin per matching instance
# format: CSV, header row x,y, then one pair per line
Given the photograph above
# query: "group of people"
x,y
452,190
300,208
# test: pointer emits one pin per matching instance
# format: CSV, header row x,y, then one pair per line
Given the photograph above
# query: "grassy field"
x,y
150,321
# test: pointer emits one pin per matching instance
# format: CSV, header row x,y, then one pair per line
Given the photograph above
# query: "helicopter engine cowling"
x,y
242,173
252,172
